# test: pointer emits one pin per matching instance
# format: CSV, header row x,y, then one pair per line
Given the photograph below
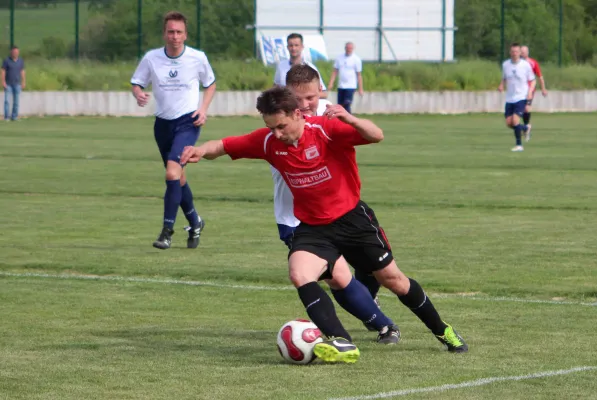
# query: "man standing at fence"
x,y
175,72
349,66
13,80
295,46
526,117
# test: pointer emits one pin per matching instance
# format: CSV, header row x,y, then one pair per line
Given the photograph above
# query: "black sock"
x,y
421,306
526,118
320,309
518,134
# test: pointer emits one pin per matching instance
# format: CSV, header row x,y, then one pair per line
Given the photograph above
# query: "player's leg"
x,y
186,134
526,119
164,137
313,258
348,100
519,128
368,247
512,123
356,299
7,95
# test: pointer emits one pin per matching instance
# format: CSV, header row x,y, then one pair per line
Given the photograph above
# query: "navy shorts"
x,y
345,96
515,108
172,136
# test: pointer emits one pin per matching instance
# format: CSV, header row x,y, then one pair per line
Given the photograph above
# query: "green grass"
x,y
32,25
471,221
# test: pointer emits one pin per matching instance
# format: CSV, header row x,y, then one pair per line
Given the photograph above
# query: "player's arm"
x,y
333,78
533,83
141,78
208,150
252,145
3,77
368,131
541,80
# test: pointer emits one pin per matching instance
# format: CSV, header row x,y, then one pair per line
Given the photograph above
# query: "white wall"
x,y
357,21
243,103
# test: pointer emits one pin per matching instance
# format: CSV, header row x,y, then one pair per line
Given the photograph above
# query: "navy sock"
x,y
518,134
321,311
355,299
171,202
369,281
186,203
421,306
526,118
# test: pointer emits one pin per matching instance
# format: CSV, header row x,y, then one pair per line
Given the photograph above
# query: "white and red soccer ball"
x,y
296,340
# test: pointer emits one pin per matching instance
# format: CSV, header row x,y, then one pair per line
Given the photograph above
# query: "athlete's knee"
x,y
304,268
173,171
393,279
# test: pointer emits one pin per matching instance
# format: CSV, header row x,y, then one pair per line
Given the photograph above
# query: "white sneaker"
x,y
527,133
518,148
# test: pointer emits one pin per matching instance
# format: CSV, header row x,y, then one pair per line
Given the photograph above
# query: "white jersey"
x,y
283,199
348,67
284,66
517,77
174,80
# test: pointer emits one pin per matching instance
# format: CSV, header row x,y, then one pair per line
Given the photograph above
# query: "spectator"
x,y
13,80
349,67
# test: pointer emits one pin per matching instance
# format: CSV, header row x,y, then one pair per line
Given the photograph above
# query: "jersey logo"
x,y
311,153
173,74
281,153
311,178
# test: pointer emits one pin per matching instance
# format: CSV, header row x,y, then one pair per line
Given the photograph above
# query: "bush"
x,y
471,75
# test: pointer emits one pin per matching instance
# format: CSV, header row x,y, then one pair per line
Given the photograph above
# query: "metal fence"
x,y
111,30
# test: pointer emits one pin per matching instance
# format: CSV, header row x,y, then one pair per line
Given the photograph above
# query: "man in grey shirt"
x,y
13,80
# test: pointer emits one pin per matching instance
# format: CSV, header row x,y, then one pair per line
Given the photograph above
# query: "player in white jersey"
x,y
175,73
294,43
518,76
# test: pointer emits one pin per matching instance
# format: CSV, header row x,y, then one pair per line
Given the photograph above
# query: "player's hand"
x,y
23,86
142,98
544,92
337,111
361,92
201,118
191,154
501,88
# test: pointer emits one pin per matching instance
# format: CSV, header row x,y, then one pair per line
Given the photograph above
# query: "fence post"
x,y
443,30
560,44
502,31
198,24
12,23
139,29
321,17
380,30
77,30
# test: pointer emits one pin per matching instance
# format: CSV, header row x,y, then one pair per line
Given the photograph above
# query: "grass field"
x,y
32,25
504,243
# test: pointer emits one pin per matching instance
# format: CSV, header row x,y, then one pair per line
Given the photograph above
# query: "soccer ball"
x,y
296,340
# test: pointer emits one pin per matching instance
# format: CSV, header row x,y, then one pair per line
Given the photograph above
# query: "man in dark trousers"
x,y
13,80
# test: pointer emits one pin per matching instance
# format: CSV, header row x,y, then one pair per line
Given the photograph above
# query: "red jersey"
x,y
320,168
534,66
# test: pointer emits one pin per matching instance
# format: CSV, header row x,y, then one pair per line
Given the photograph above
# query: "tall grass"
x,y
470,75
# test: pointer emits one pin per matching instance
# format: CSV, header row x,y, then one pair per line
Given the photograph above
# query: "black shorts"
x,y
356,235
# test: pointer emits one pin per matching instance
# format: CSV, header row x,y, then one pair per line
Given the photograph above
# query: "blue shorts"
x,y
172,136
286,234
345,96
515,108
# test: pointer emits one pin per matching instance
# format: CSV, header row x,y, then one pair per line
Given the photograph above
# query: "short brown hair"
x,y
301,74
515,44
175,16
277,99
294,36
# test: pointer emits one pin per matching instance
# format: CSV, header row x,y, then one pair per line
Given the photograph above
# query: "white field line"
x,y
469,384
116,278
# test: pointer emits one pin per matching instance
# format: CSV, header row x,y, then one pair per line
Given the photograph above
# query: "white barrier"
x,y
243,103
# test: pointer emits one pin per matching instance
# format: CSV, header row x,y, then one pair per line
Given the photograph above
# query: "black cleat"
x,y
452,340
389,335
194,234
164,241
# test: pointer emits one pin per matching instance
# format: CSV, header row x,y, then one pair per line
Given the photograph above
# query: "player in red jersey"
x,y
317,158
526,117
